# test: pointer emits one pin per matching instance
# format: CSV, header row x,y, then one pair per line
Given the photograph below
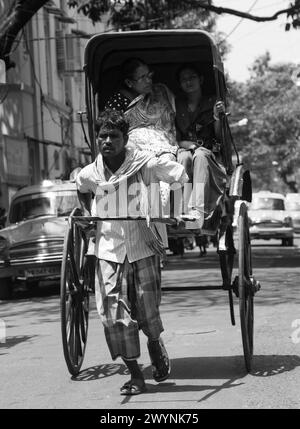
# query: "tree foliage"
x,y
270,144
160,10
132,15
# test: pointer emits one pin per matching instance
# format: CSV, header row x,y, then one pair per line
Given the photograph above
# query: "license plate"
x,y
42,271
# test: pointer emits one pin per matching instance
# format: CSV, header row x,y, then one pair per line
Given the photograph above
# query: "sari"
x,y
151,119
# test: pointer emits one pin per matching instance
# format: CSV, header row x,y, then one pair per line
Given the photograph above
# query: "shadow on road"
x,y
228,368
269,365
39,309
203,367
183,302
262,257
13,341
101,371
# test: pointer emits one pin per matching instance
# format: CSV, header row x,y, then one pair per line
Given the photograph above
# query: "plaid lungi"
x,y
128,297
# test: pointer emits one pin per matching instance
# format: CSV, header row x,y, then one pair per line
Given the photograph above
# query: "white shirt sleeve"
x,y
161,169
86,180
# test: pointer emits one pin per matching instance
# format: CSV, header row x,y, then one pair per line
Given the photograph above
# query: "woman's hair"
x,y
187,66
111,119
129,66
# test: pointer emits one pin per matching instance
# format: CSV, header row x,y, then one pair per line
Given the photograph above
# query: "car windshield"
x,y
267,203
44,204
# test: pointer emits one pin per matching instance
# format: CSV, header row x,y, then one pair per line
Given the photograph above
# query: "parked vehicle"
x,y
269,219
32,243
292,202
2,217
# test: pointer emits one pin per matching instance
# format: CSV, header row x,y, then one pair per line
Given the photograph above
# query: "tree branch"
x,y
221,10
16,17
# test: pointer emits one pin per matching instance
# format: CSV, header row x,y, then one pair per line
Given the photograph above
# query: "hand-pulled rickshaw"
x,y
163,50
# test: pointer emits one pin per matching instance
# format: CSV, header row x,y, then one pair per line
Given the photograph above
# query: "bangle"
x,y
216,118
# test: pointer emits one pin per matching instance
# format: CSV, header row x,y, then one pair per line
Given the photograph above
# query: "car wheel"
x,y
6,288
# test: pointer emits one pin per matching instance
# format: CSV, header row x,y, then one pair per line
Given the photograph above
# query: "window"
x,y
56,160
59,203
48,53
293,205
60,48
267,203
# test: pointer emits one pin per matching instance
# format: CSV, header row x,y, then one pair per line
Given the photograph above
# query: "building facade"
x,y
40,131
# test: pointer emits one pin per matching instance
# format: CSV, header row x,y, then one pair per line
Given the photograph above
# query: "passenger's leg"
x,y
209,182
185,158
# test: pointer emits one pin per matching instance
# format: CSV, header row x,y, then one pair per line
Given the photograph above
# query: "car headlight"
x,y
287,221
3,246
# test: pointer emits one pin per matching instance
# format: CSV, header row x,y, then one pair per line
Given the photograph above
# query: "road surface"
x,y
206,353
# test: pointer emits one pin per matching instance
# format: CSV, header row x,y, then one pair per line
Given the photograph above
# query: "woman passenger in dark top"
x,y
198,129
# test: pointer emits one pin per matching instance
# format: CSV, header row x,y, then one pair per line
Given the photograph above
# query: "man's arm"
x,y
86,187
85,200
219,109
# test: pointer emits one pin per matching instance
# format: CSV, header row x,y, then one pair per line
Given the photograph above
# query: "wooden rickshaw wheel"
x,y
74,294
245,290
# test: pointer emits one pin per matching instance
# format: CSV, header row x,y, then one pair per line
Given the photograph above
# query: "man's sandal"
x,y
161,366
132,388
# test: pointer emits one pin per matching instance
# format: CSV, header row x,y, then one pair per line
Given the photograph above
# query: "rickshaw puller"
x,y
125,249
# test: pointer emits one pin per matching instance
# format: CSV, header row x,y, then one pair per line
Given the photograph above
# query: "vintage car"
x,y
292,205
31,244
268,218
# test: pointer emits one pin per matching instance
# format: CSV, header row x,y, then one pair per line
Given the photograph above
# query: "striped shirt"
x,y
117,239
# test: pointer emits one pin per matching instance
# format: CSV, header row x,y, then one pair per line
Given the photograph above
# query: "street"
x,y
206,352
97,101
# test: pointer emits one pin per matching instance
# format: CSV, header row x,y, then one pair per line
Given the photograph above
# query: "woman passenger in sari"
x,y
150,111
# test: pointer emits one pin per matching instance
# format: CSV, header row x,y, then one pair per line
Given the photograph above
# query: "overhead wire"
x,y
239,22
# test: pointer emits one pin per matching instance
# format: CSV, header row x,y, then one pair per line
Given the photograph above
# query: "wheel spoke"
x,y
74,296
77,334
73,270
71,334
83,324
245,291
68,304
